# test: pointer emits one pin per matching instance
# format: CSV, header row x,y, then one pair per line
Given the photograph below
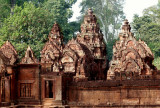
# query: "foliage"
x,y
156,62
4,9
110,15
30,24
21,2
61,11
109,46
147,27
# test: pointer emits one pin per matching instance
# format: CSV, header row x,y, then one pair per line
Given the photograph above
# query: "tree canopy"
x,y
31,23
110,15
147,27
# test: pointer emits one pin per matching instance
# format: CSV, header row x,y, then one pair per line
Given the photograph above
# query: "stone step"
x,y
4,104
50,102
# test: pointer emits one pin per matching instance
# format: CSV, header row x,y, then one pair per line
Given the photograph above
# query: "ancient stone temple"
x,y
85,56
91,38
131,59
76,75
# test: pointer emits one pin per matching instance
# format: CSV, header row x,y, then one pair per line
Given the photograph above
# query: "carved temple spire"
x,y
131,59
91,35
126,31
29,57
52,50
92,38
55,35
126,26
90,11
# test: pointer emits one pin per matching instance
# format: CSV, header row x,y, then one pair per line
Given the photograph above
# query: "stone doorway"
x,y
49,89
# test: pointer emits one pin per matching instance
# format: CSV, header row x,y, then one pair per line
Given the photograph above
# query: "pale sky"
x,y
131,7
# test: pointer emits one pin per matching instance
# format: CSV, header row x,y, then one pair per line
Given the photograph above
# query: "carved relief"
x,y
9,52
74,59
52,51
29,57
92,38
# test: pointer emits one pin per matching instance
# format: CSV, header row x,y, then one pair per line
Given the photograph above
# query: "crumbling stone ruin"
x,y
76,75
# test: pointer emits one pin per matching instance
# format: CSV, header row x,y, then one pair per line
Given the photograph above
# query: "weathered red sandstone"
x,y
74,75
131,59
29,57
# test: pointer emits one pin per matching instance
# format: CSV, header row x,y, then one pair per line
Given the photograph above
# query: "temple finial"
x,y
90,11
29,48
7,42
126,26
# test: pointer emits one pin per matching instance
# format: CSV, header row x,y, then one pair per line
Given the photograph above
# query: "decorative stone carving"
x,y
71,54
131,59
2,67
52,51
92,37
78,60
9,52
29,57
53,48
55,36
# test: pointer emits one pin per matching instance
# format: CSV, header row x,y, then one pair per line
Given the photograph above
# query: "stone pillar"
x,y
46,89
42,88
13,87
7,89
0,90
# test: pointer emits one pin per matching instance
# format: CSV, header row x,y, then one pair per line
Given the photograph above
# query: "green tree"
x,y
30,24
61,11
4,9
110,48
147,27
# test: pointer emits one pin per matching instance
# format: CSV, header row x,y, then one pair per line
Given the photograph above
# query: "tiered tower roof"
x,y
131,59
92,35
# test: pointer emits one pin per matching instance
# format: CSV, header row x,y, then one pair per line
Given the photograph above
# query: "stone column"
x,y
0,90
7,89
46,89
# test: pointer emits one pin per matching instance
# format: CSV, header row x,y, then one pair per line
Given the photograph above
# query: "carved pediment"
x,y
52,51
49,53
9,52
29,57
68,63
67,59
76,47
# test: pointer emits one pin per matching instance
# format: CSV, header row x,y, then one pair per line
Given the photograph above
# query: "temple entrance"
x,y
49,89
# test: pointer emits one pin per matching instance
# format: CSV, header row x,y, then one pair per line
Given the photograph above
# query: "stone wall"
x,y
115,94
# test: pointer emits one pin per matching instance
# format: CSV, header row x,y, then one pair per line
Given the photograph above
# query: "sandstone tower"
x,y
131,59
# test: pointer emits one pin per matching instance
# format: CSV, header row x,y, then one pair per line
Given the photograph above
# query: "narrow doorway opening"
x,y
49,89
